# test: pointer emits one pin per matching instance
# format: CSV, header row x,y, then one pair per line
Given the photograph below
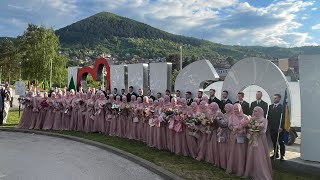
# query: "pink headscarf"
x,y
205,99
203,107
258,113
237,117
145,100
229,111
111,98
214,107
124,99
194,107
118,100
197,100
139,99
166,100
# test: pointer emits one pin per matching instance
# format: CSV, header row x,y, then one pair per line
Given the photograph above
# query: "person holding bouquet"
x,y
42,111
58,110
113,115
180,141
192,142
99,119
123,116
74,112
36,107
49,119
204,132
151,124
25,120
89,116
66,103
130,125
140,109
170,131
237,142
116,109
212,153
161,140
145,121
258,163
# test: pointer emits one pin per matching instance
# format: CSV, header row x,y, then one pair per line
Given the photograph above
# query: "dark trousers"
x,y
1,117
274,135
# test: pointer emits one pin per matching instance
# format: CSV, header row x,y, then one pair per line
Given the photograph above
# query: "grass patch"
x,y
185,167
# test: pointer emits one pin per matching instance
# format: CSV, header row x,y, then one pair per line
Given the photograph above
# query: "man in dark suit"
x,y
149,94
115,93
259,102
189,98
213,97
131,93
168,93
275,128
244,104
225,100
140,93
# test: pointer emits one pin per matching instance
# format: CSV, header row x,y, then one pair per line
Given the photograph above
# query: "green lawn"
x,y
185,167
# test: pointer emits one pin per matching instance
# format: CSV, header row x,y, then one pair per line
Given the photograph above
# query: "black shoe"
x,y
272,157
282,158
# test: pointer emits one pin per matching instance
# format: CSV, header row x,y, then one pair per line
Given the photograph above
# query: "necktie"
x,y
275,106
258,102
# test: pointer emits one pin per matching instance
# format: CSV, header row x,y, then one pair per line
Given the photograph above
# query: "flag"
x,y
286,118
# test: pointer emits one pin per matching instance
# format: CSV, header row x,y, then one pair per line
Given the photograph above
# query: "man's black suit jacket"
x,y
262,104
274,118
245,107
223,104
216,100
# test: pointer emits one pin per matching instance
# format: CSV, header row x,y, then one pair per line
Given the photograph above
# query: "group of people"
x,y
203,128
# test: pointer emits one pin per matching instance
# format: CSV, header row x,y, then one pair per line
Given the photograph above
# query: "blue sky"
x,y
286,23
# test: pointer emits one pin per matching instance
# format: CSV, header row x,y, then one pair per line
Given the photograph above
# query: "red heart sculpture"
x,y
94,72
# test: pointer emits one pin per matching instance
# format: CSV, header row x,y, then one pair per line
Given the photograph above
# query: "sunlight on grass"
x,y
185,167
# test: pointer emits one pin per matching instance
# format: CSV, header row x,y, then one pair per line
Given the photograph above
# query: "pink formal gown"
x,y
25,120
258,163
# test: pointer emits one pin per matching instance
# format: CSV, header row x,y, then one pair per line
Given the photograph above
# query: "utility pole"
x,y
51,73
180,58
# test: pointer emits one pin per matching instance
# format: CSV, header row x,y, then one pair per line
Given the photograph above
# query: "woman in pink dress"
x,y
131,114
99,119
66,103
223,136
42,111
145,120
203,132
113,117
123,117
196,100
258,164
140,109
25,120
192,142
36,109
89,117
212,153
151,123
155,122
58,110
118,117
180,141
170,128
237,142
49,119
81,111
161,127
75,105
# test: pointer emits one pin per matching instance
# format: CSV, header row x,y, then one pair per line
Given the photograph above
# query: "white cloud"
x,y
223,21
314,9
316,27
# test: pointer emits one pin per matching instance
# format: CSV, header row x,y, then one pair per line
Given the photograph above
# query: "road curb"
x,y
142,162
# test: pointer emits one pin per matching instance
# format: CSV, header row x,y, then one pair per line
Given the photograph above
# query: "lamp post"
x,y
50,73
180,58
20,71
103,73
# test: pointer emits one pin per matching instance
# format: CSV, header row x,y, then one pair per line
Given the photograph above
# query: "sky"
x,y
285,23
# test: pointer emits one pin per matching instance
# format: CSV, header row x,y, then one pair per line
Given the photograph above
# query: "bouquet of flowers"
x,y
192,121
148,112
169,112
254,128
44,104
25,101
222,123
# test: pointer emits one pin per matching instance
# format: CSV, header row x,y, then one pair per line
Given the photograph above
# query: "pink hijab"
x,y
194,107
118,100
203,107
205,99
229,111
166,100
237,116
197,100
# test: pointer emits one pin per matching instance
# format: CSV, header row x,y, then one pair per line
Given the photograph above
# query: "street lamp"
x,y
20,71
180,58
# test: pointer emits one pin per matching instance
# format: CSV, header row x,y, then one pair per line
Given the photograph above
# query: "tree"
x,y
230,60
38,46
9,60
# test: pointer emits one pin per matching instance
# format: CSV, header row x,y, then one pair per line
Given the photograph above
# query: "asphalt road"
x,y
38,157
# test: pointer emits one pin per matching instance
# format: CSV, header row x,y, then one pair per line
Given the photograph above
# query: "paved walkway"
x,y
28,156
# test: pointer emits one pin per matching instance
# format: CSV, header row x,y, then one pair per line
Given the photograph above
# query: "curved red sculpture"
x,y
95,72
